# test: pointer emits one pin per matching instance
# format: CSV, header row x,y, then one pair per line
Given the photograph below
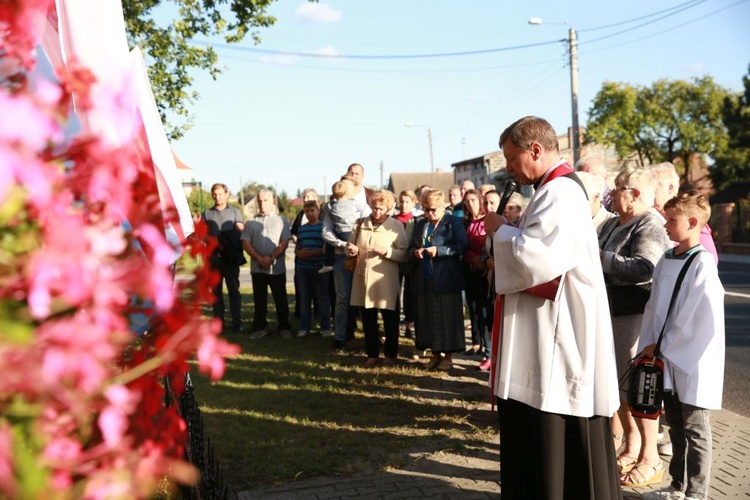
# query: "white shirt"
x,y
557,357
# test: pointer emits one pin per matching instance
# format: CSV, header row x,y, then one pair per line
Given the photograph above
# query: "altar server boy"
x,y
692,347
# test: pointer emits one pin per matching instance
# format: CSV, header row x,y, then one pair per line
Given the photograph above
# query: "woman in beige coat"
x,y
379,242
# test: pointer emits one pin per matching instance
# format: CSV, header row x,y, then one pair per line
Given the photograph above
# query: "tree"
x,y
733,162
669,120
613,120
250,189
171,52
199,199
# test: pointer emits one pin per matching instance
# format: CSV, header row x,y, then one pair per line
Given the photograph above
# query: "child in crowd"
x,y
514,209
692,347
341,191
343,211
309,253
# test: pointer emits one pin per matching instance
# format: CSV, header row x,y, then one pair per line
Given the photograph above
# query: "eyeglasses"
x,y
430,210
624,188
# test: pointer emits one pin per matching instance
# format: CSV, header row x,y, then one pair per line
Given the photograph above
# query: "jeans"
x,y
231,275
477,288
690,433
277,283
390,327
343,282
311,284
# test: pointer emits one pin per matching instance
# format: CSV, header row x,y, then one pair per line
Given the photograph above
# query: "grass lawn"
x,y
289,409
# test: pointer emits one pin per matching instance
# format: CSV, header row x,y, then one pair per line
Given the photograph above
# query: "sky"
x,y
460,71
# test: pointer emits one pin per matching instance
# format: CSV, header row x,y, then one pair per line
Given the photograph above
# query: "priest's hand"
x,y
492,222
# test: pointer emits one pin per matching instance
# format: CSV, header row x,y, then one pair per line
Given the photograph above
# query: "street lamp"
x,y
573,50
368,155
429,138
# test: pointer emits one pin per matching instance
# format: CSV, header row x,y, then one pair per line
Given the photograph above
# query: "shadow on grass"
x,y
289,409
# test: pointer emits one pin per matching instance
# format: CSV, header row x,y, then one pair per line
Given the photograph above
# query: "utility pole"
x,y
432,160
573,46
573,50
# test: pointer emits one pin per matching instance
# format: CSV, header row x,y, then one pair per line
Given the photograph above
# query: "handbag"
x,y
625,300
350,264
646,375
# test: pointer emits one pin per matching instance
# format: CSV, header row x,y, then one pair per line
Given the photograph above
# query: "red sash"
x,y
559,171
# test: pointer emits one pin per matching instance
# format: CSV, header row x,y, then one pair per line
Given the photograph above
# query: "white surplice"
x,y
557,357
693,344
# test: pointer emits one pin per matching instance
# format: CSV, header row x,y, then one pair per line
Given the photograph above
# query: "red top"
x,y
476,234
405,217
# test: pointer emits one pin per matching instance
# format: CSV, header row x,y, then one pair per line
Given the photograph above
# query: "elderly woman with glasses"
x,y
631,245
437,244
379,242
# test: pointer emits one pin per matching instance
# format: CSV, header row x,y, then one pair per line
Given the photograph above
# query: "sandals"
x,y
643,475
434,362
625,464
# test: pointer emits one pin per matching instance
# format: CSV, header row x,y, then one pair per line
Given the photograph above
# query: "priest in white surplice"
x,y
554,373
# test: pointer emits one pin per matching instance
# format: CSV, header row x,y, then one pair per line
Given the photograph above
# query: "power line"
x,y
691,3
662,31
671,12
374,56
535,80
638,26
392,71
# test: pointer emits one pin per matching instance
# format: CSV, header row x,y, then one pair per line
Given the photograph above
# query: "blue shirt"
x,y
310,237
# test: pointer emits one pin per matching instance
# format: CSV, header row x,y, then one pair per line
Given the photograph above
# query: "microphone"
x,y
510,188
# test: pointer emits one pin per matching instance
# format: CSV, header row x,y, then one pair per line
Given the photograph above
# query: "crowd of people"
x,y
562,291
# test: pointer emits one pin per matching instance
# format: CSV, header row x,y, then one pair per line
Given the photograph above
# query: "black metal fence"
x,y
198,450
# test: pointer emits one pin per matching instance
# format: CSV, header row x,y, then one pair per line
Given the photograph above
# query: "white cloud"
x,y
319,12
332,55
698,68
328,51
280,59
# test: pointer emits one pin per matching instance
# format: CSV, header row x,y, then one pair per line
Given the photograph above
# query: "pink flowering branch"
x,y
83,252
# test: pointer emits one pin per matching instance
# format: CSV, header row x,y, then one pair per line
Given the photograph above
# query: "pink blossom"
x,y
75,353
80,279
211,354
25,20
24,124
159,250
113,421
105,241
55,275
62,449
7,481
